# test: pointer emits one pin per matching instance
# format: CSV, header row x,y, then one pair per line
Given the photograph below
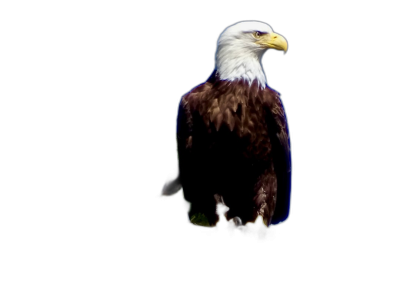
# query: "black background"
x,y
134,64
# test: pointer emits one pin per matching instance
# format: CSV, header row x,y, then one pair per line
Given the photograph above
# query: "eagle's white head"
x,y
240,49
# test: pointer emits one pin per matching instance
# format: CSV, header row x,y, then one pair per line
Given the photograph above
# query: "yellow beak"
x,y
274,41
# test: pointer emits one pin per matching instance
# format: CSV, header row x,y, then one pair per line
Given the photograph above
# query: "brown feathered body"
x,y
233,145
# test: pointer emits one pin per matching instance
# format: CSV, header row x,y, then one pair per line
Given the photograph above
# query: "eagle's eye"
x,y
257,34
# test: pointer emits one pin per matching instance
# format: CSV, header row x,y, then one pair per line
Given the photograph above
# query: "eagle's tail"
x,y
171,187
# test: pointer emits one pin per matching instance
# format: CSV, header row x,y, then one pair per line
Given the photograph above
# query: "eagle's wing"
x,y
183,130
279,135
188,103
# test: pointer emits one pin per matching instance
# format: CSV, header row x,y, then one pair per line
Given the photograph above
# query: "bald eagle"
x,y
232,135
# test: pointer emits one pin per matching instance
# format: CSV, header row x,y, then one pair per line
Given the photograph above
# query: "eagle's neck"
x,y
240,64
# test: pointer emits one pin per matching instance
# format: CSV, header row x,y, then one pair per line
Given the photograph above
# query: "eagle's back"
x,y
226,134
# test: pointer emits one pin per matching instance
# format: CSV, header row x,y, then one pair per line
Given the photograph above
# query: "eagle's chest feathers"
x,y
231,114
